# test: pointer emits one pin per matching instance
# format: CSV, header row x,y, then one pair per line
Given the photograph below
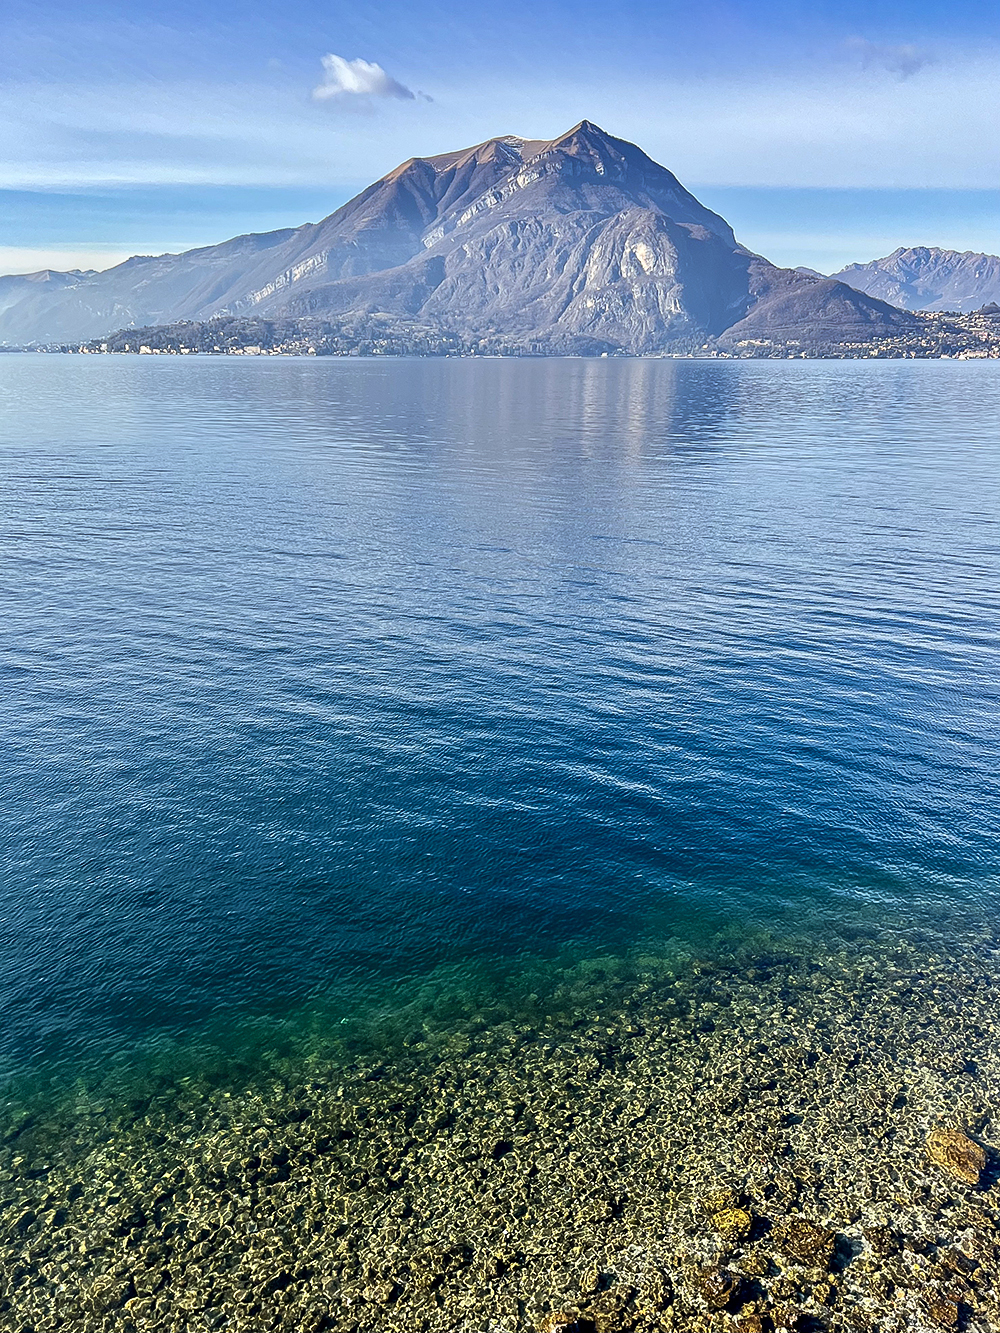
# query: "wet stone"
x,y
750,1323
805,1242
785,1318
566,1321
380,1293
732,1224
942,1311
755,1263
957,1154
655,1293
719,1199
717,1287
882,1241
108,1293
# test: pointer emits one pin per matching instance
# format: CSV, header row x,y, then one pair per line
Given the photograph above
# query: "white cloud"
x,y
902,60
357,78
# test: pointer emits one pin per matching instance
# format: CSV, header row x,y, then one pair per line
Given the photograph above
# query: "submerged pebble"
x,y
733,1224
957,1153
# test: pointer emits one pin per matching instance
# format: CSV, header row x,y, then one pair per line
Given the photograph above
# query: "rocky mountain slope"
x,y
580,243
923,277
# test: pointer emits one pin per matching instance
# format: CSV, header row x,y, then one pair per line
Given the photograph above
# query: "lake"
x,y
344,699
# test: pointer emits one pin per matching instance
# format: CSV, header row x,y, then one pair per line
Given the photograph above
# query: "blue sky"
x,y
825,132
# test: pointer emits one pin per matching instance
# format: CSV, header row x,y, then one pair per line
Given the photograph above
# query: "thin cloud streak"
x,y
904,60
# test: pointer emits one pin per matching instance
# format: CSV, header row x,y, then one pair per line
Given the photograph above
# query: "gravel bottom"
x,y
735,1143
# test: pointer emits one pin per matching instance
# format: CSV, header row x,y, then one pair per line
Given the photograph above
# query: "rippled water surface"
x,y
320,677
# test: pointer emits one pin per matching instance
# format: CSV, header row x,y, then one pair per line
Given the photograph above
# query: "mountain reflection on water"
x,y
323,675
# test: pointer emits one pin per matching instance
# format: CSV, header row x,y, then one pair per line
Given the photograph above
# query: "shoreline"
x,y
736,1142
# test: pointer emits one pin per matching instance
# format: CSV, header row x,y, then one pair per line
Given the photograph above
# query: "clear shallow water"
x,y
320,677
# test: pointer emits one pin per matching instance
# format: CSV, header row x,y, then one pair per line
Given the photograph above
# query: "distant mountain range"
x,y
921,277
576,244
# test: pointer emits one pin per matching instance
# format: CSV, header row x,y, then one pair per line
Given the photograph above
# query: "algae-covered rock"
x,y
805,1241
785,1318
750,1323
755,1264
718,1200
942,1311
957,1153
611,1311
732,1224
655,1293
108,1293
380,1292
825,1292
717,1287
565,1321
592,1280
389,1209
882,1241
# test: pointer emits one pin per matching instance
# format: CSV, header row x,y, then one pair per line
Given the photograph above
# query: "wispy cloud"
x,y
357,78
903,60
839,127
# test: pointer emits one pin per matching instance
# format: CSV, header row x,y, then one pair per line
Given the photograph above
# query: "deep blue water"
x,y
319,675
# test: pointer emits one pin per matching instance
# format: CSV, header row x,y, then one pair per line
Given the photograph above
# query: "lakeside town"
x,y
945,335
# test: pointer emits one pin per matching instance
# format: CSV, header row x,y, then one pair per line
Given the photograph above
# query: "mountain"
x,y
787,311
18,287
921,277
579,243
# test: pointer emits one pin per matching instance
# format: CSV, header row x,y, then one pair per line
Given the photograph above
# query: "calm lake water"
x,y
321,678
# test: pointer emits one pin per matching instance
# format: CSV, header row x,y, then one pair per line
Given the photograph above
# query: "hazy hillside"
x,y
22,288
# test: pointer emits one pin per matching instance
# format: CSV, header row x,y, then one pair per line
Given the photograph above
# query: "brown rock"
x,y
825,1292
785,1317
559,1321
719,1200
942,1311
957,1153
733,1224
882,1241
380,1293
565,1321
655,1293
861,1320
108,1293
717,1287
607,1312
805,1241
755,1264
979,1248
606,1321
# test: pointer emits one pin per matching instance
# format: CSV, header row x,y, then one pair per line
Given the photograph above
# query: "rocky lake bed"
x,y
759,1139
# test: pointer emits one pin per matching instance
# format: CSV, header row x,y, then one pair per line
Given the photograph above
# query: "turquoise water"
x,y
328,682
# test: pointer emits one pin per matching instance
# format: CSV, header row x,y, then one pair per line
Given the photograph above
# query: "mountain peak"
x,y
591,130
585,135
